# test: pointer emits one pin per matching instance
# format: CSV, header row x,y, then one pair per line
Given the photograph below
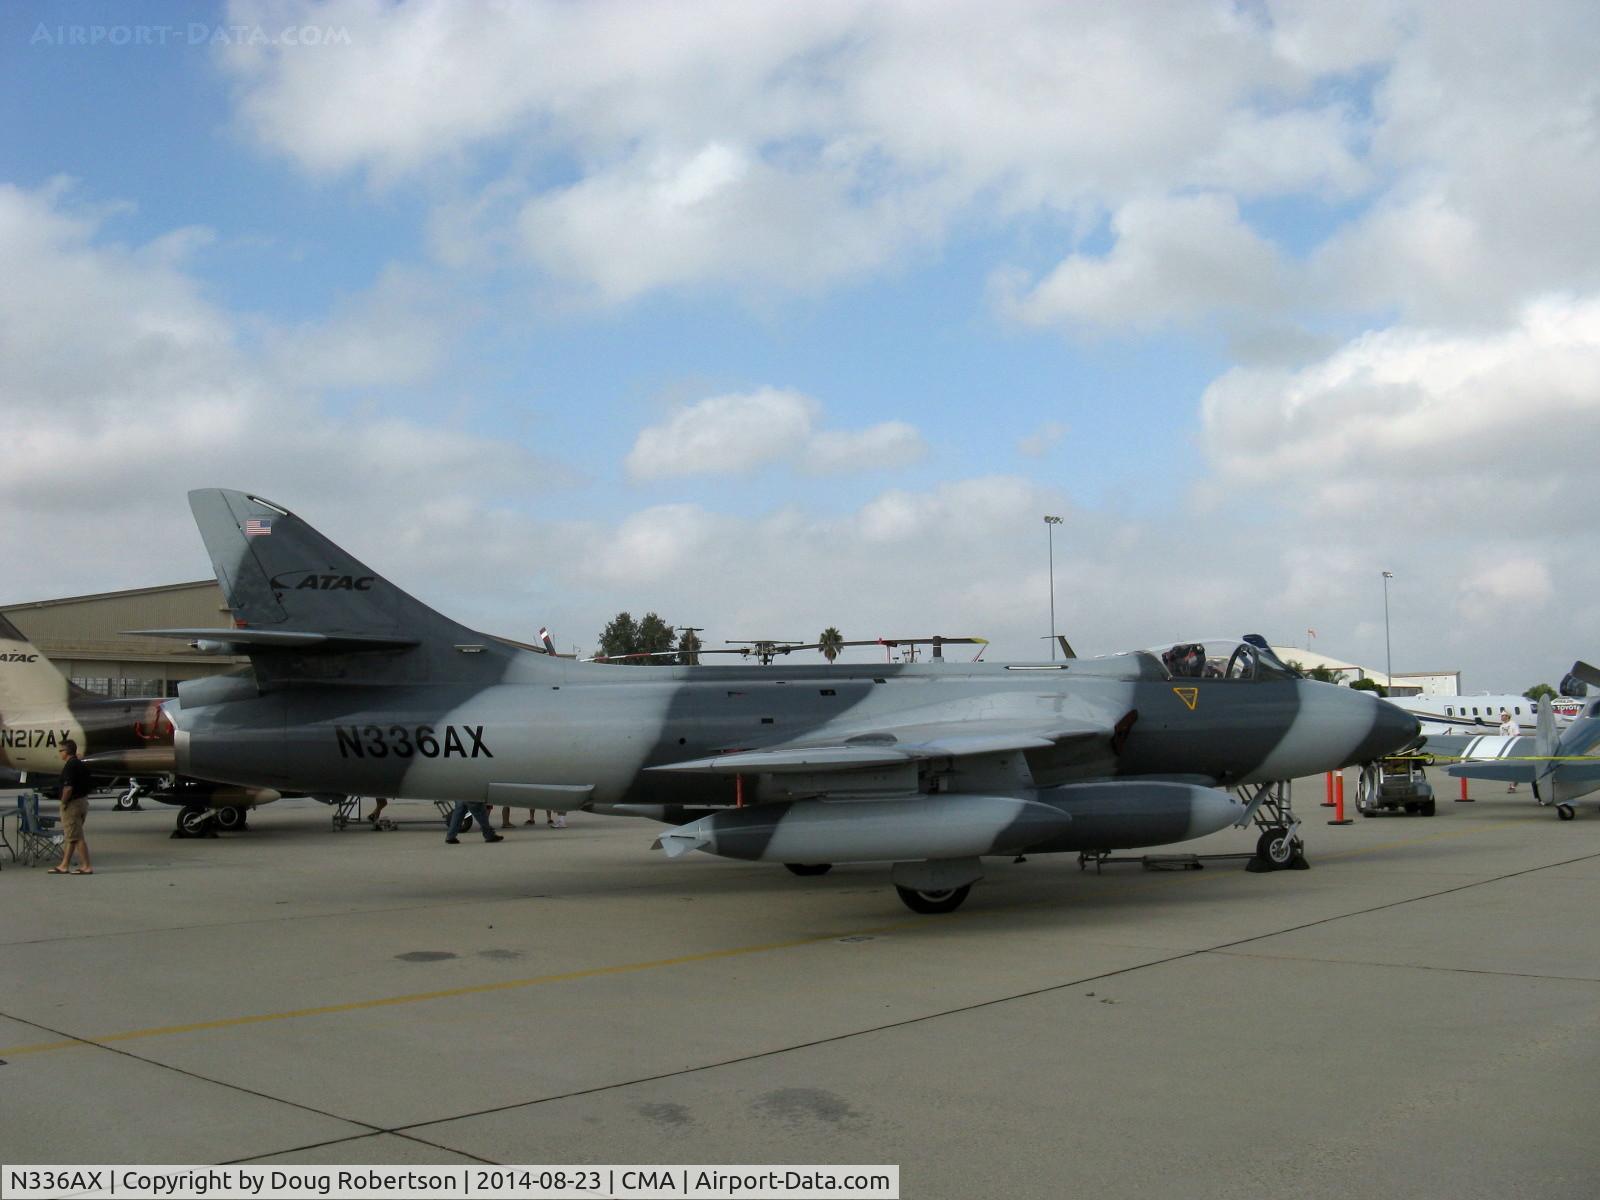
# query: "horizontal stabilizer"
x,y
1584,672
281,639
1574,773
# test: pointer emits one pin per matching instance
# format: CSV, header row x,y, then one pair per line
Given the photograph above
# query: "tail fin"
x,y
305,608
1575,769
1544,732
35,704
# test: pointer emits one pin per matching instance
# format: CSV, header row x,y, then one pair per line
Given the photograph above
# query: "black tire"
x,y
1427,808
1367,812
1412,806
944,901
466,823
230,818
808,868
1275,848
1566,812
193,819
127,800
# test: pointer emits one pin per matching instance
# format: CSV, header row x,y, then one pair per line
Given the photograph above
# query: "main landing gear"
x,y
200,820
942,901
195,820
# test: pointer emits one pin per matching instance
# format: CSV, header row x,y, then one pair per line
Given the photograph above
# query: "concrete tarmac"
x,y
1417,1015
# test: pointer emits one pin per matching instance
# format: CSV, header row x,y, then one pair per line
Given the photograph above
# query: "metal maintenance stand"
x,y
347,812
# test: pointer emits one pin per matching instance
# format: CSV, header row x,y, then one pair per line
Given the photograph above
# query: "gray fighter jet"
x,y
357,687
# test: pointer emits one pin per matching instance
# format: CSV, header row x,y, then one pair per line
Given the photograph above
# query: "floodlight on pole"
x,y
1388,660
1050,524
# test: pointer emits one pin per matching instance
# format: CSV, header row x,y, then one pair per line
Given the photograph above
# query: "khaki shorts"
x,y
72,814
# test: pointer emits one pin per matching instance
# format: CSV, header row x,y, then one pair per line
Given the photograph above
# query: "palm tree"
x,y
831,643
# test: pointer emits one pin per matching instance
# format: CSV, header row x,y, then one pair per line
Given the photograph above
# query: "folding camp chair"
x,y
38,837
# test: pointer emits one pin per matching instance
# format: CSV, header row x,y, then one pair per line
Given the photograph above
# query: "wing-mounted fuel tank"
x,y
1089,816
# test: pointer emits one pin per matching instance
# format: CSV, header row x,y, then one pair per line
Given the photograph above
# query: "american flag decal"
x,y
258,527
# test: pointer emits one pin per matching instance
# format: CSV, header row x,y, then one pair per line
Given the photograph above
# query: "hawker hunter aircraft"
x,y
357,687
40,708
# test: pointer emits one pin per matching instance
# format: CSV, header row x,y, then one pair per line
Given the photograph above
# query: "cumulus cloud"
x,y
1510,591
793,146
735,434
1174,260
393,333
124,386
753,146
1042,440
1423,416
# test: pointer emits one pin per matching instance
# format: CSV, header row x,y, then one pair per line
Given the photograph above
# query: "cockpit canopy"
x,y
1224,658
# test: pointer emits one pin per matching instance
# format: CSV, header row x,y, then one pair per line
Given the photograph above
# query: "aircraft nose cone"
x,y
1392,729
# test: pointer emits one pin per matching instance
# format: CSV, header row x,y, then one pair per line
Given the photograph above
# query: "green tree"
x,y
689,648
1369,685
1539,690
655,635
1321,674
619,637
831,642
625,636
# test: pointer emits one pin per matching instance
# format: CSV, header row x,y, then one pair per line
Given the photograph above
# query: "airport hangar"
x,y
83,636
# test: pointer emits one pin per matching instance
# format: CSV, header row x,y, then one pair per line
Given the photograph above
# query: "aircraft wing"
x,y
1523,771
897,744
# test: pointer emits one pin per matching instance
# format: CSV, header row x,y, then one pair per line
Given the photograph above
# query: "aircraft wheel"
x,y
466,823
192,820
808,868
231,818
1566,812
127,800
944,901
1275,848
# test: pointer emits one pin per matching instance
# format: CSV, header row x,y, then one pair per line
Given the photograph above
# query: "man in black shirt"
x,y
75,787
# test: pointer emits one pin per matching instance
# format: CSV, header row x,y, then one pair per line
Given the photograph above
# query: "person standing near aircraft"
x,y
1509,729
75,785
480,814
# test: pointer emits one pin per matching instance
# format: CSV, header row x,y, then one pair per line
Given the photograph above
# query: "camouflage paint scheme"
x,y
358,687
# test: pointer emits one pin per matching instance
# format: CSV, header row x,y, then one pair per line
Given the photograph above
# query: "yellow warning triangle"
x,y
1188,696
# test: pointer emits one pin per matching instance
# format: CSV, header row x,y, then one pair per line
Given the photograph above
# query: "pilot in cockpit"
x,y
1186,660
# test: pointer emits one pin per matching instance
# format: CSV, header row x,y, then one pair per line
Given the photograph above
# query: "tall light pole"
x,y
1050,524
1388,660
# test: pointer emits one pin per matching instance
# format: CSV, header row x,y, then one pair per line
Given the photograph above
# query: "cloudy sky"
x,y
775,316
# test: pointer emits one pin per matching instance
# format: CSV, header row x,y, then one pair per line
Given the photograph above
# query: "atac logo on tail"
x,y
18,656
321,581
